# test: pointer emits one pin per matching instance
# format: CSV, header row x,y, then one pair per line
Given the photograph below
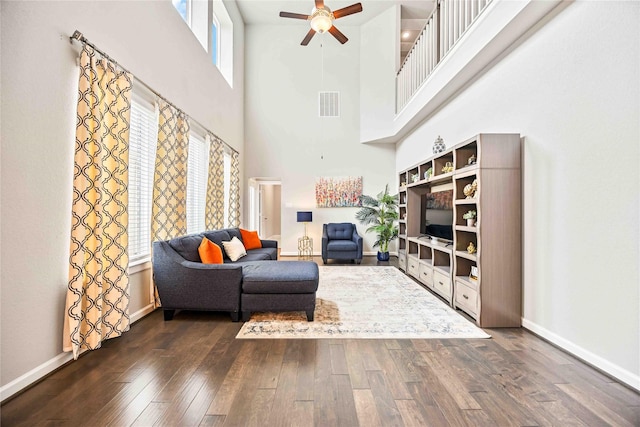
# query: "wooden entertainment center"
x,y
493,297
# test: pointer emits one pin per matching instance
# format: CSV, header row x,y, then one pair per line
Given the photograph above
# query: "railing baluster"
x,y
456,21
423,58
444,29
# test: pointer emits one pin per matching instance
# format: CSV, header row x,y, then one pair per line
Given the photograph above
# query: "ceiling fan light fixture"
x,y
321,21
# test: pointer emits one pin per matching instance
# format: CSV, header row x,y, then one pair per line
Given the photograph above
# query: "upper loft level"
x,y
458,40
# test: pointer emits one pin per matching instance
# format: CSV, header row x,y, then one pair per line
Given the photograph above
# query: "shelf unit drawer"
x,y
412,266
425,272
402,261
442,285
466,298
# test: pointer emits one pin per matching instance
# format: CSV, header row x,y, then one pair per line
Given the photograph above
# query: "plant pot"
x,y
383,256
471,222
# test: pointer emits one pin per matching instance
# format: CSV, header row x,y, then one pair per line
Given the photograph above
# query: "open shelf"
x,y
464,154
441,162
461,183
467,255
462,239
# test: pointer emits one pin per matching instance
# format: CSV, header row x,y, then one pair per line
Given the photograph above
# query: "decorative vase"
x,y
471,222
383,256
438,145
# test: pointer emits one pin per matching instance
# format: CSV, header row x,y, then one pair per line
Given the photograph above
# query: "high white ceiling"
x,y
266,11
413,14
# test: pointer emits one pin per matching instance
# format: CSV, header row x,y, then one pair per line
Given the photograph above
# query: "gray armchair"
x,y
341,241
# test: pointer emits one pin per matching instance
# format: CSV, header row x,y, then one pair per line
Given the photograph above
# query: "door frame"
x,y
255,201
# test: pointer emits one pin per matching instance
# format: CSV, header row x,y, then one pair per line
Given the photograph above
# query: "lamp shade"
x,y
305,216
321,22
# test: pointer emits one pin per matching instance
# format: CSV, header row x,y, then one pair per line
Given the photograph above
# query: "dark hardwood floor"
x,y
192,371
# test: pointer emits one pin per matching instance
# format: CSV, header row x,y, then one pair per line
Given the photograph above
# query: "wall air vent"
x,y
329,104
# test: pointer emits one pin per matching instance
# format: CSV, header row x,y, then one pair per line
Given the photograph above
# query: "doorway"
x,y
265,197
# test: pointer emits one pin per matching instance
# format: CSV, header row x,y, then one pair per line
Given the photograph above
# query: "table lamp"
x,y
305,217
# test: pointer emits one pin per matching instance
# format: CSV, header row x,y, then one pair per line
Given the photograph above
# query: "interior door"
x,y
270,200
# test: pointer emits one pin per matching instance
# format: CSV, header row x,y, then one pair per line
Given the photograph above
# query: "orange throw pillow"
x,y
210,253
250,239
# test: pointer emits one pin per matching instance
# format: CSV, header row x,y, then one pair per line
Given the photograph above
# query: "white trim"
x,y
140,265
41,371
34,375
141,313
621,374
320,253
225,39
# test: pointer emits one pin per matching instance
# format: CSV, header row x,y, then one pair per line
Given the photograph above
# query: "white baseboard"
x,y
51,365
141,313
320,253
621,374
34,375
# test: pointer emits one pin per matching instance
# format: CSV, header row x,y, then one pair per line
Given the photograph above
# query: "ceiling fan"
x,y
322,18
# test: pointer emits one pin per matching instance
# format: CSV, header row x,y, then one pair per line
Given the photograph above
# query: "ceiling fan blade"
x,y
349,10
308,37
293,15
319,4
338,35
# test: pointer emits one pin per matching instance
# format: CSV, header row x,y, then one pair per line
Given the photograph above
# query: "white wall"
x,y
379,52
39,95
286,137
572,90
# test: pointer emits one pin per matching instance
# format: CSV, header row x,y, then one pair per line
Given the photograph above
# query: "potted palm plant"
x,y
380,213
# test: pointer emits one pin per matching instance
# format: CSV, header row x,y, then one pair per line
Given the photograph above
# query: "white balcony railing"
x,y
447,23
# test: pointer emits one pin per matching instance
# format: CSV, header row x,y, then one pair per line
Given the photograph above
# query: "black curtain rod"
x,y
77,35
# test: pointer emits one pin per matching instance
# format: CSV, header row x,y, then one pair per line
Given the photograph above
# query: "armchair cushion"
x,y
342,245
341,231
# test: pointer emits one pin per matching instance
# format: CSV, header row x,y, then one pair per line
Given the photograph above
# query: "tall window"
x,y
143,135
214,42
196,15
184,9
196,183
210,22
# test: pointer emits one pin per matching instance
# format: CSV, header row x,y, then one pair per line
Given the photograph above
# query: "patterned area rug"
x,y
366,302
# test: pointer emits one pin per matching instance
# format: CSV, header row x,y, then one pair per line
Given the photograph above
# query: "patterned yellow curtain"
x,y
234,191
97,303
214,208
169,210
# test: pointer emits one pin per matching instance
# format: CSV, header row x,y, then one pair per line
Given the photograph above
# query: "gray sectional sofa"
x,y
264,284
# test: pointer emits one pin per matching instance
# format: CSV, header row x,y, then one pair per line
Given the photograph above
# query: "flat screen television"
x,y
437,214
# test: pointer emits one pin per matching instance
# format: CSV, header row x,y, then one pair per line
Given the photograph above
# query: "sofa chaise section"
x,y
279,286
185,283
